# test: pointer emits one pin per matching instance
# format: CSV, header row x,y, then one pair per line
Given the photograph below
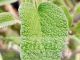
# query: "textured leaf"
x,y
6,19
43,31
54,27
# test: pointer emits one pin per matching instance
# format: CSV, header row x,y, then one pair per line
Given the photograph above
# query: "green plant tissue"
x,y
69,17
2,2
6,19
43,31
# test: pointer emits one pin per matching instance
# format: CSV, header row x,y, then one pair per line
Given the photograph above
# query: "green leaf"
x,y
78,27
69,3
68,15
43,31
77,10
58,2
14,39
2,2
54,28
76,30
74,42
6,19
10,55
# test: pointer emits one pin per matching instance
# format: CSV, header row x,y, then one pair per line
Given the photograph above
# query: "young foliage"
x,y
43,31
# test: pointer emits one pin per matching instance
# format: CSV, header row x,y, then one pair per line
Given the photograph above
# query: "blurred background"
x,y
10,29
10,34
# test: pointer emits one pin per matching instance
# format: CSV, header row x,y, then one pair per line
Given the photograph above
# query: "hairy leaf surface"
x,y
43,31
